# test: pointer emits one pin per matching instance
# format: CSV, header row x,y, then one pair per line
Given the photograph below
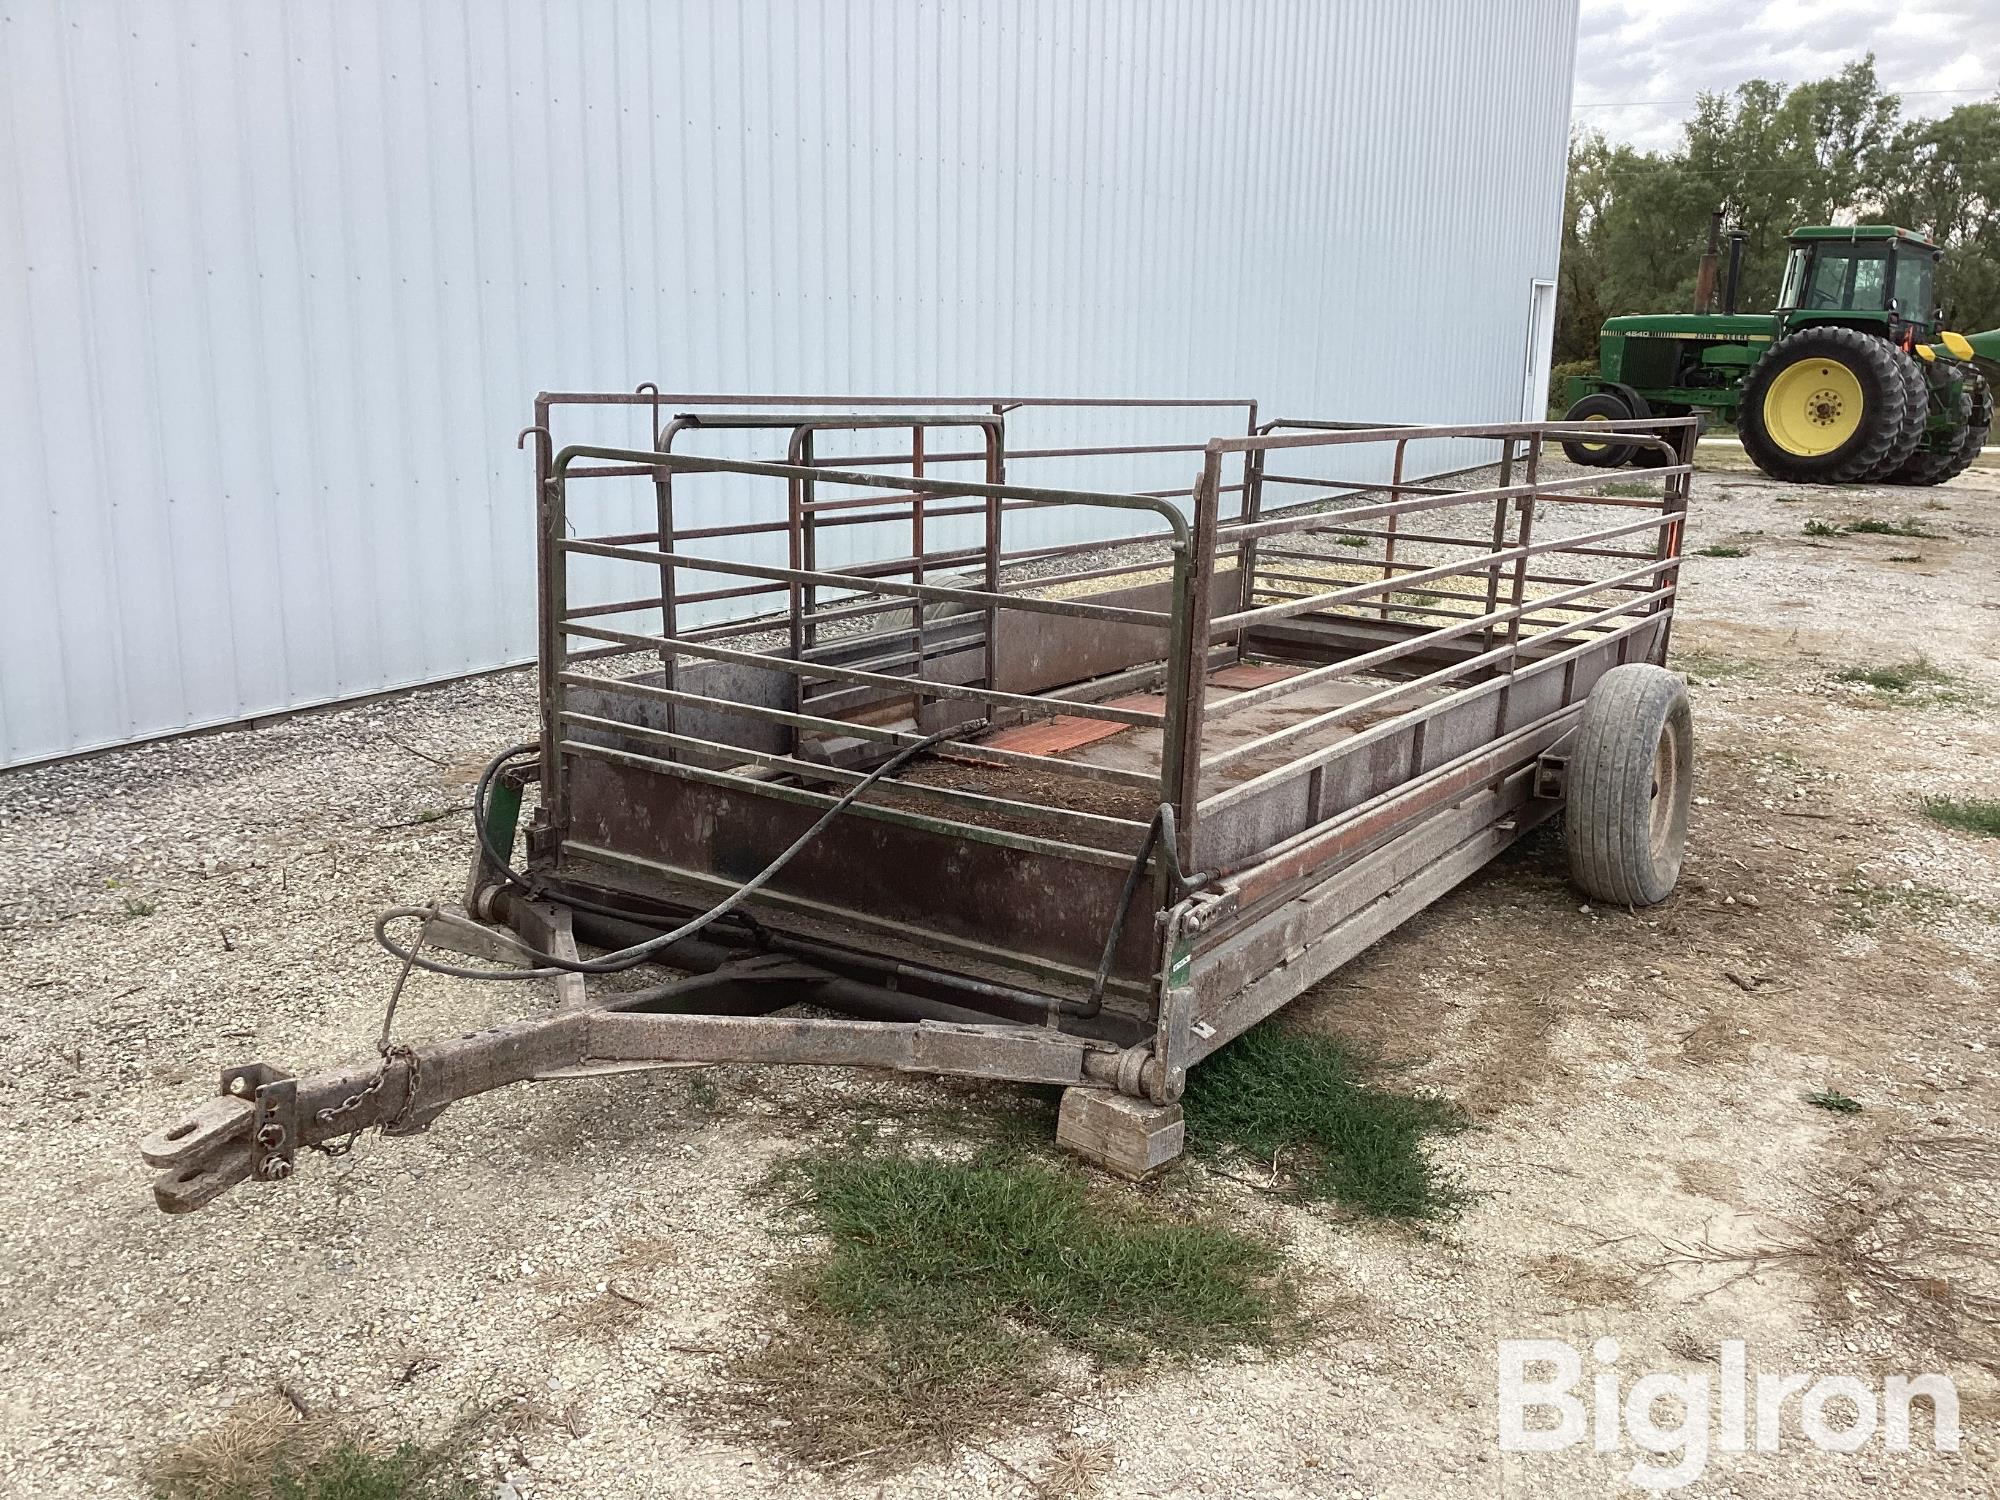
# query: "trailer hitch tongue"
x,y
249,1130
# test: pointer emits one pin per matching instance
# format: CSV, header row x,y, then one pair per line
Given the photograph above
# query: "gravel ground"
x,y
1644,1168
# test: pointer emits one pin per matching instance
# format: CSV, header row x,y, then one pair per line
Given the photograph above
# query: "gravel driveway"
x,y
1645,1167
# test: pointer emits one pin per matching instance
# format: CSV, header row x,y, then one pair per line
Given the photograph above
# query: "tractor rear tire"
x,y
1631,778
1952,456
1823,406
1916,416
1599,406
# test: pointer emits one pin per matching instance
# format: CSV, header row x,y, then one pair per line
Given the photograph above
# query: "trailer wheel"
x,y
1598,406
1630,779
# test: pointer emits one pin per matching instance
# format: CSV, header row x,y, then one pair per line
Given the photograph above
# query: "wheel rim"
x,y
1589,447
1660,819
1813,407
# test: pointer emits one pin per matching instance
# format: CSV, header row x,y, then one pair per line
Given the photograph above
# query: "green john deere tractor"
x,y
1851,379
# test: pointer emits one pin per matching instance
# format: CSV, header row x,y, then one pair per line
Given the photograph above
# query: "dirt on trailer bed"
x,y
1663,1152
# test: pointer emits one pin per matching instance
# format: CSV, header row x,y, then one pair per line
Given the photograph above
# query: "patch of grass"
x,y
1905,557
1980,815
1908,526
1723,551
1834,1100
1902,677
1873,526
1350,541
950,1293
1629,490
1867,903
1297,1100
138,906
266,1451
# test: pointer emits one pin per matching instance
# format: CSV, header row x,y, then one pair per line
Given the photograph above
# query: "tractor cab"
x,y
1860,275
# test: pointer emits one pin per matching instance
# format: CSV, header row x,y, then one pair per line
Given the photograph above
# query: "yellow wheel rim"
x,y
1813,407
1595,447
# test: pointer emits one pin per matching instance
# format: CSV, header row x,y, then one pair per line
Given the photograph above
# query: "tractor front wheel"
x,y
1598,406
1824,406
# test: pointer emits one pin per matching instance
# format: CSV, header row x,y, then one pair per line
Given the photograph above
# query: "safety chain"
x,y
389,1052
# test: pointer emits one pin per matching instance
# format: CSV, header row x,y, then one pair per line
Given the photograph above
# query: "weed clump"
x,y
1295,1099
1980,815
953,1293
1902,677
266,1451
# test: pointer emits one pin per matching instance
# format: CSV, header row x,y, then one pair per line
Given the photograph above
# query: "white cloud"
x,y
1643,61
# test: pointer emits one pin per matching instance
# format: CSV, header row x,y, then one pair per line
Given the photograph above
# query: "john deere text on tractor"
x,y
1851,378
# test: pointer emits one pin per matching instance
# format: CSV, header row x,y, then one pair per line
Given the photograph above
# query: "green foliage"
x,y
1873,526
265,1451
1722,551
1900,678
952,1294
1773,158
351,1472
1833,1099
1904,527
1979,815
1559,376
1294,1099
999,1238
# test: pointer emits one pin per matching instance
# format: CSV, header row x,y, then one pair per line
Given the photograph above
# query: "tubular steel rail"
x,y
1149,787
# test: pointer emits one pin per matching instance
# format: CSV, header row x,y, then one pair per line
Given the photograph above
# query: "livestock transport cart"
x,y
894,760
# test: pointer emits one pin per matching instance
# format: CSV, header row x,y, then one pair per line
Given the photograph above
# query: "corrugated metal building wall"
x,y
278,281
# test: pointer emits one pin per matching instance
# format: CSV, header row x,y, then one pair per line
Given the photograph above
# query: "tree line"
x,y
1833,151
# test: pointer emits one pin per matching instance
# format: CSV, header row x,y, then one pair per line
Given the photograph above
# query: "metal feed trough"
x,y
960,798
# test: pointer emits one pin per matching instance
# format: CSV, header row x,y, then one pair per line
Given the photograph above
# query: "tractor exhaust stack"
x,y
1704,279
1733,283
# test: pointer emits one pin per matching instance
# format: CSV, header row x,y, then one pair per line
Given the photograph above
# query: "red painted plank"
x,y
1070,732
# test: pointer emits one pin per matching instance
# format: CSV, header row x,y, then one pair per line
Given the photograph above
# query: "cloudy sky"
x,y
1643,61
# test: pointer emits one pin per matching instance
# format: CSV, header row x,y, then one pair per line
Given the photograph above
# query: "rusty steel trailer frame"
x,y
991,910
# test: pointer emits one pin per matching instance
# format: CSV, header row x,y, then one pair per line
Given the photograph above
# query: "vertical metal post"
x,y
555,661
663,504
1187,684
1524,533
917,538
794,590
809,540
1499,538
1679,489
1251,507
995,474
1389,542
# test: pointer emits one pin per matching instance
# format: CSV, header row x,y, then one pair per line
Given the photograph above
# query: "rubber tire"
x,y
1980,398
1881,427
1929,466
1608,825
1598,404
1916,417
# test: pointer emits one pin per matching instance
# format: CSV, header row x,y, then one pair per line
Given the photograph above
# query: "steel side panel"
x,y
1041,905
1037,651
1234,835
1318,934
